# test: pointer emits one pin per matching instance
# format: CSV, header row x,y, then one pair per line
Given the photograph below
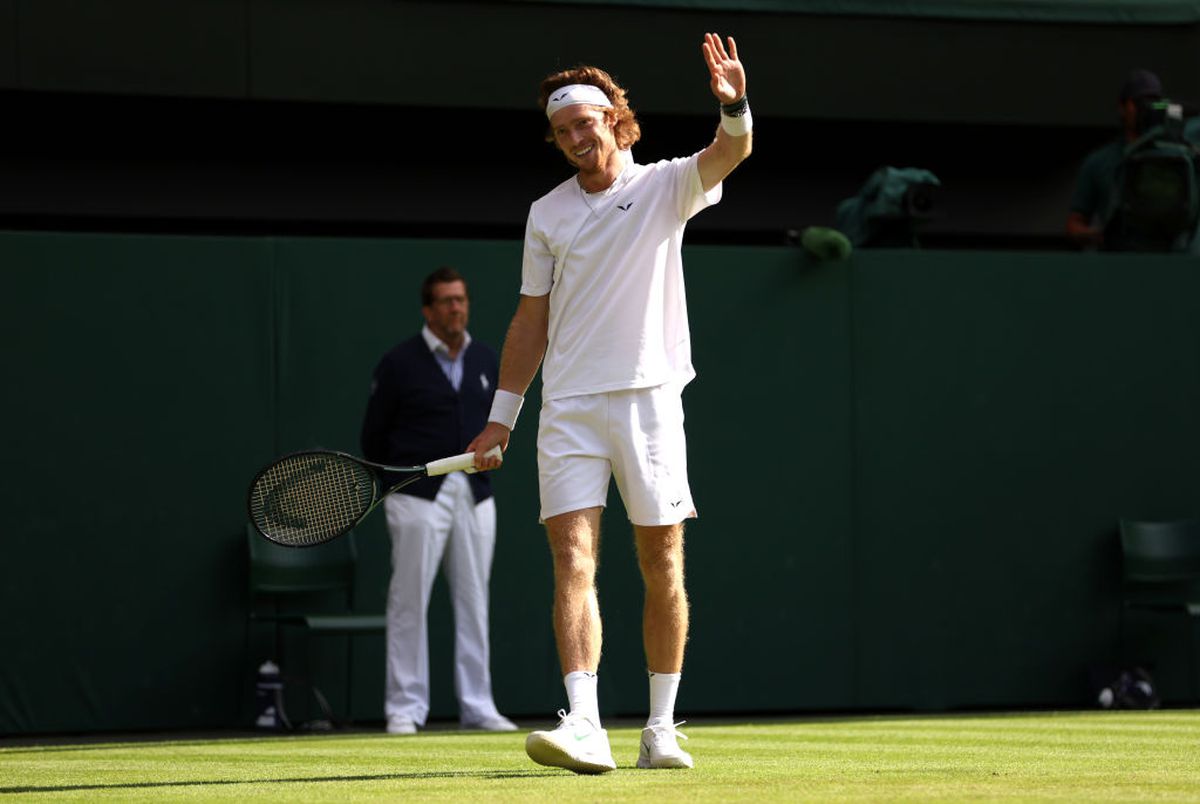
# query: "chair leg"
x,y
1121,646
349,679
1193,647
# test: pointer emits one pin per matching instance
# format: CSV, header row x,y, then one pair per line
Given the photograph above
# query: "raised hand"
x,y
728,76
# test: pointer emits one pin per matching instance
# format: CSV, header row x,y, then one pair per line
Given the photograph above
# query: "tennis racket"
x,y
308,498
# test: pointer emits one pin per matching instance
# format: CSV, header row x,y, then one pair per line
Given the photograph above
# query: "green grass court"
x,y
1088,756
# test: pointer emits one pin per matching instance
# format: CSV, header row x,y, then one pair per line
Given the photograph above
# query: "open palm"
x,y
728,76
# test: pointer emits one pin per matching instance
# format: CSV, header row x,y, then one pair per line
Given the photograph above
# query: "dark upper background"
x,y
380,117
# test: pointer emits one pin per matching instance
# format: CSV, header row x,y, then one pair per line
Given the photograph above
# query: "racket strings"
x,y
308,499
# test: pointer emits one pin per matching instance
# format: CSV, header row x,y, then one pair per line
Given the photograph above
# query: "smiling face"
x,y
584,134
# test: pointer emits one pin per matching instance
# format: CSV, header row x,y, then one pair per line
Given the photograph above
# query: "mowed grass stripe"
x,y
1071,756
1185,720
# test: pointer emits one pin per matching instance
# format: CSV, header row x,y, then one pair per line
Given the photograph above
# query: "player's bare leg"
x,y
665,613
664,633
578,743
575,548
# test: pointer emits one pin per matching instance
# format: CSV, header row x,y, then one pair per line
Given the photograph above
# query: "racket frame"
x,y
456,463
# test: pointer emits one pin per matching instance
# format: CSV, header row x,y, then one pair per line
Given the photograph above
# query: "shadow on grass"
x,y
33,744
378,777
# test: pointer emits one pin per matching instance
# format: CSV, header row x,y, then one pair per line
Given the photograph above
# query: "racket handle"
x,y
458,463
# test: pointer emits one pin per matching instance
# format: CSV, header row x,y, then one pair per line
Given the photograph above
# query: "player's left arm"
x,y
728,83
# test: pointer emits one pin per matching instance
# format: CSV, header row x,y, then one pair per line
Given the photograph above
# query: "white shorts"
x,y
635,436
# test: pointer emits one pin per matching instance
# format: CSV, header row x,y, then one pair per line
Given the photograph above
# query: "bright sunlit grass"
x,y
1089,756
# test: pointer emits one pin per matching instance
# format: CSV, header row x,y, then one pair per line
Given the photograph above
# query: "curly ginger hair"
x,y
625,126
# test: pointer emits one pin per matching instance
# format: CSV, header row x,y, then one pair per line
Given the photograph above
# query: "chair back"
x,y
278,569
1162,552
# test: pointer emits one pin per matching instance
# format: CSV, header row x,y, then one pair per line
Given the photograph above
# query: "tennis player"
x,y
602,300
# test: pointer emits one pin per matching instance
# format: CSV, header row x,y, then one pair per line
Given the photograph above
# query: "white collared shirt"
x,y
452,367
611,262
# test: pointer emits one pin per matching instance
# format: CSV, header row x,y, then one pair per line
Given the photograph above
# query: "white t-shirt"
x,y
612,265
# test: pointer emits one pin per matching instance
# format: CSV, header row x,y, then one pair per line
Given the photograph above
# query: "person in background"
x,y
429,396
1096,181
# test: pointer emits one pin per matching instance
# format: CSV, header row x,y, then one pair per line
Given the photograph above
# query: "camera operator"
x,y
1097,178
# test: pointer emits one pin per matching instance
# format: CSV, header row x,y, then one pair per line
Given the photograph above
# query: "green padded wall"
x,y
1010,408
909,469
137,395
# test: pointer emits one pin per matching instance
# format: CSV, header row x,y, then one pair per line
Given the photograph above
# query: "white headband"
x,y
573,94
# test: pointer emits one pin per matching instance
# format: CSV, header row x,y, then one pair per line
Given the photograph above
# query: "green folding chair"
x,y
286,581
1160,566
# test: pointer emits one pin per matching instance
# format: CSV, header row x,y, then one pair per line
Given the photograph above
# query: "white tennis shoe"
x,y
497,723
399,724
660,749
577,744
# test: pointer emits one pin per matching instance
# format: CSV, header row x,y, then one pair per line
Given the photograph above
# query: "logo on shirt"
x,y
483,380
624,207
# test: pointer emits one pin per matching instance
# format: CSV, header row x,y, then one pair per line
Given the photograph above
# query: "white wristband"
x,y
738,126
506,406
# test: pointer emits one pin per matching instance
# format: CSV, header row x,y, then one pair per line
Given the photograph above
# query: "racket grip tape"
x,y
457,463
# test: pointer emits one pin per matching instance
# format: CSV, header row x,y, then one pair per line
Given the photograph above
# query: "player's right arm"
x,y
524,348
1090,198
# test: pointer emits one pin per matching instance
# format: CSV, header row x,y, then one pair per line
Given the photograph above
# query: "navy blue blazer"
x,y
414,415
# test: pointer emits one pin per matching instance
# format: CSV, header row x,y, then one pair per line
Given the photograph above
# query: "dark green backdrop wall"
x,y
909,468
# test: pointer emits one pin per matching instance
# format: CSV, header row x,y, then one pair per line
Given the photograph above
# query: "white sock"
x,y
663,687
582,695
